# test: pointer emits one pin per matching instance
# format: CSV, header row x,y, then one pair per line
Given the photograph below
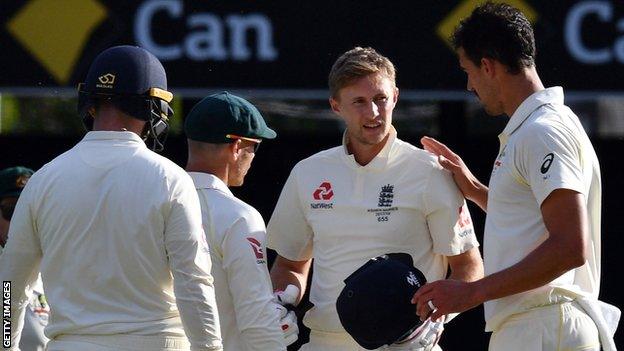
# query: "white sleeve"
x,y
550,159
189,261
447,215
19,262
288,231
244,261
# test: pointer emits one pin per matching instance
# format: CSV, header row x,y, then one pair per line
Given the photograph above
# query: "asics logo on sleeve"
x,y
548,159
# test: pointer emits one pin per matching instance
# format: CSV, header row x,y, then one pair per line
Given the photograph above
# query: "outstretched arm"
x,y
564,216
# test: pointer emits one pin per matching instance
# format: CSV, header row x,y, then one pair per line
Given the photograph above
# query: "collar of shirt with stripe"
x,y
209,181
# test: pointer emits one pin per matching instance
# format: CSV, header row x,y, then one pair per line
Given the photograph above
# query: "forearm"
x,y
285,272
478,194
467,267
547,262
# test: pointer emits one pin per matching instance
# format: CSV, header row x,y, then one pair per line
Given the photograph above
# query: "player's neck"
x,y
217,169
109,118
365,153
518,88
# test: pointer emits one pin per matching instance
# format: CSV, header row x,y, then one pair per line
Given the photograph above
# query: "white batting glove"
x,y
288,319
425,338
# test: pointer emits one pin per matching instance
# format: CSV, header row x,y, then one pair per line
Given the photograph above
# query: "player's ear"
x,y
488,66
235,149
335,105
396,95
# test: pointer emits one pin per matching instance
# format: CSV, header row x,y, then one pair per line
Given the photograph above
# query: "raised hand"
x,y
467,183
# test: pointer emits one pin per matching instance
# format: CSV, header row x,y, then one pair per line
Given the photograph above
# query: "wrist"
x,y
477,292
477,191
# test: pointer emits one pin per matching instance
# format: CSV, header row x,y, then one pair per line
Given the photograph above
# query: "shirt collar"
x,y
209,181
113,135
552,95
380,161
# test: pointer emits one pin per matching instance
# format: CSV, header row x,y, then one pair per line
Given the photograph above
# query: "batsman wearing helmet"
x,y
224,132
114,227
374,194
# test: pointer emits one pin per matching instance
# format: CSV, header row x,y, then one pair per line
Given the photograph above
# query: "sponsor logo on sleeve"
x,y
463,227
256,247
548,160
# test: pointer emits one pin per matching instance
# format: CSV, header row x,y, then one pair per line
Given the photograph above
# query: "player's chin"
x,y
375,135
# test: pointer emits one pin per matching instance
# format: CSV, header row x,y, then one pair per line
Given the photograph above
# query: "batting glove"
x,y
425,338
288,320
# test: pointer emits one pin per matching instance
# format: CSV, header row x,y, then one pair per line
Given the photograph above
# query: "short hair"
x,y
497,31
356,63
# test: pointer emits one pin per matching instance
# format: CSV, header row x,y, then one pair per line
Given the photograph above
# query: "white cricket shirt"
x,y
543,148
116,230
342,214
236,235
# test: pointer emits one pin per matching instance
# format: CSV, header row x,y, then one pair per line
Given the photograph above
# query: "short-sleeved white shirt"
x,y
342,214
543,148
236,234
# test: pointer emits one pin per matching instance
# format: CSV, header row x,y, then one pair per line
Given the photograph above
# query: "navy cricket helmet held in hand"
x,y
375,305
134,81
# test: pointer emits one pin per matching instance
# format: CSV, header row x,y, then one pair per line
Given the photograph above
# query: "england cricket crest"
x,y
384,204
386,196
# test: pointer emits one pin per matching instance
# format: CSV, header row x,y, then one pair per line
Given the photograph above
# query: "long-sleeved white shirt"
x,y
236,234
116,230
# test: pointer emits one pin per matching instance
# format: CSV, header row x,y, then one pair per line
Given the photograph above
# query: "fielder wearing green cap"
x,y
12,181
223,118
223,132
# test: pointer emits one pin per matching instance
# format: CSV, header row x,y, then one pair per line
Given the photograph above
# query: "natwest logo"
x,y
323,192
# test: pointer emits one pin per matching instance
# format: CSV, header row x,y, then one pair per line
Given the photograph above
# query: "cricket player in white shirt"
x,y
114,227
542,232
372,195
36,315
224,132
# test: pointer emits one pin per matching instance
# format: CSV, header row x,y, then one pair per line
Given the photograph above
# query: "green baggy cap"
x,y
222,114
13,180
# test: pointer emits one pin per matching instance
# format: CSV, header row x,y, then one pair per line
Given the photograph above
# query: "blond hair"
x,y
357,63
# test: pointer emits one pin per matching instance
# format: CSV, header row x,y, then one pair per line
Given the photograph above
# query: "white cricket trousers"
x,y
558,327
323,341
118,342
